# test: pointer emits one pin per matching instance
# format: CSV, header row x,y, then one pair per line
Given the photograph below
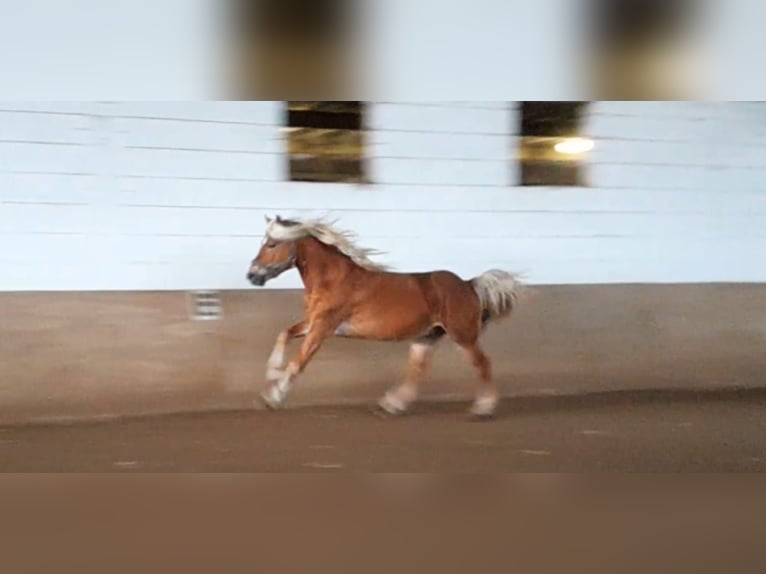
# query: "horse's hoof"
x,y
392,406
483,409
271,402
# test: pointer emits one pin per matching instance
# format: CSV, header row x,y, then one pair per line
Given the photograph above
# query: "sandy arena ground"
x,y
652,431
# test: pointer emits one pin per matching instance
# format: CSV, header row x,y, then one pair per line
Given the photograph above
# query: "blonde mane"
x,y
325,232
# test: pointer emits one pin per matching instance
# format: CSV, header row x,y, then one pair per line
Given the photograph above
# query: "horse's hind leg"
x,y
486,397
398,400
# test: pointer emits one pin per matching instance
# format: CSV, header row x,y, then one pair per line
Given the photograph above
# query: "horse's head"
x,y
274,258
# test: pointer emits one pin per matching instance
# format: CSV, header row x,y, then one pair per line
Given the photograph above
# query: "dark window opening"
x,y
552,149
285,47
631,43
326,141
616,24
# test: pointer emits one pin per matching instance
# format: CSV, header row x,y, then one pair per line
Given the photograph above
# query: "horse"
x,y
347,294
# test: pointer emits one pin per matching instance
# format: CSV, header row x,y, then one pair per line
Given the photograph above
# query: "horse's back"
x,y
445,279
391,305
444,284
454,293
427,282
442,291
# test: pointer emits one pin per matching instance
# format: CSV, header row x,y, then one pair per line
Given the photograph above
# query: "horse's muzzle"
x,y
257,279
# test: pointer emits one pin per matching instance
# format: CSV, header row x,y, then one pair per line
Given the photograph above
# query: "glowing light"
x,y
574,146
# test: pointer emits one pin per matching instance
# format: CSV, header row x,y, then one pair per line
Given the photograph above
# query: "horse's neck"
x,y
319,264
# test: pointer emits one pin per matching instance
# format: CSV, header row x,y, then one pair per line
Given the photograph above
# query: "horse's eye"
x,y
270,245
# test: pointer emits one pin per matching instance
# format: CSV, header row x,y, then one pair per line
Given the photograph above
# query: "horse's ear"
x,y
279,219
267,218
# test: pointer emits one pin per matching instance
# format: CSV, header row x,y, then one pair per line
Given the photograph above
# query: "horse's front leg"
x,y
320,329
276,362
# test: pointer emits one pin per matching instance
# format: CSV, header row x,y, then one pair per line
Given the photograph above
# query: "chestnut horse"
x,y
348,295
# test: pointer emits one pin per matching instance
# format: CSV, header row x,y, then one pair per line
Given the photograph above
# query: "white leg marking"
x,y
273,397
420,352
485,404
276,394
274,375
398,400
276,360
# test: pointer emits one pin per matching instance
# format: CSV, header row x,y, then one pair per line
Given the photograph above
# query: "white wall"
x,y
93,50
172,195
179,50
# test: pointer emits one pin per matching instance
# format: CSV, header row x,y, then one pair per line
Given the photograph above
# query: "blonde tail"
x,y
498,293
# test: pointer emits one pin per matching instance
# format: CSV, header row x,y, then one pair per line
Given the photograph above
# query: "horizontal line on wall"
x,y
173,262
379,185
45,142
444,159
664,140
283,154
598,139
416,238
438,185
521,263
420,210
647,164
48,112
204,150
190,178
386,236
513,136
654,112
645,188
706,166
49,203
442,132
377,144
383,185
450,105
66,233
116,233
194,120
653,140
163,288
202,235
63,173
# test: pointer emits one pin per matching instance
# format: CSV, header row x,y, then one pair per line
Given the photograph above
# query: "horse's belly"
x,y
395,310
384,328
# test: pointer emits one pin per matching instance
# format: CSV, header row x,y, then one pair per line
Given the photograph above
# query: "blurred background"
x,y
399,49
